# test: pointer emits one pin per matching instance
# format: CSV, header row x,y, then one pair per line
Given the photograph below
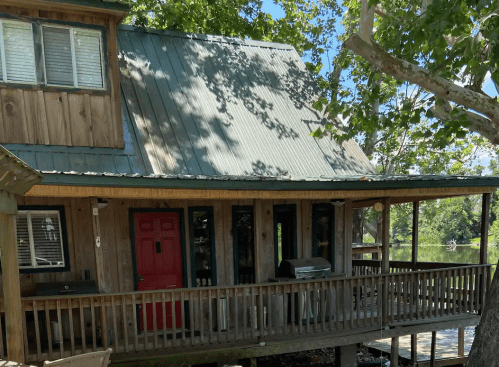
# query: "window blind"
x,y
58,56
88,59
39,239
19,52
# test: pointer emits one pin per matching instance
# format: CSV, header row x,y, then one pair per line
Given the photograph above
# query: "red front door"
x,y
159,260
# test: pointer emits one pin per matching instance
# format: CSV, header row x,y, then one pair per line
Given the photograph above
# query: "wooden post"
x,y
484,231
394,353
415,233
11,287
264,240
385,237
253,362
348,227
460,342
433,345
99,256
414,349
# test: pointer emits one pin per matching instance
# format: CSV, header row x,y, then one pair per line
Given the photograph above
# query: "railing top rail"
x,y
409,264
245,286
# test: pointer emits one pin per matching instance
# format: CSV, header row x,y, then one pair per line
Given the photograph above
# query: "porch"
x,y
252,318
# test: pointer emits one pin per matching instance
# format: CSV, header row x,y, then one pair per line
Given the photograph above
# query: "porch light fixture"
x,y
377,207
337,202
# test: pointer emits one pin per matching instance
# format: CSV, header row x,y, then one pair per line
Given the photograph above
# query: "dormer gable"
x,y
59,75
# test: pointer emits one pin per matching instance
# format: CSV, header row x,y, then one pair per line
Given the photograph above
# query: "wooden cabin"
x,y
178,172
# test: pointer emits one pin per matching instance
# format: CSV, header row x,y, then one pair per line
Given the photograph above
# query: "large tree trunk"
x,y
485,346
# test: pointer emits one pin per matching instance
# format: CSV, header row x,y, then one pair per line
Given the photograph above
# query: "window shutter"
x,y
23,249
47,239
88,59
19,52
58,56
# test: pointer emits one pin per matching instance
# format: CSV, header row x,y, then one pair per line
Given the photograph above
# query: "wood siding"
x,y
117,249
55,116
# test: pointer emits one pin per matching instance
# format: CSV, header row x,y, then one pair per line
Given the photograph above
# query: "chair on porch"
x,y
94,359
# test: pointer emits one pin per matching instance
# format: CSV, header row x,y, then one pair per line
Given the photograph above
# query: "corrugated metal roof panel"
x,y
219,106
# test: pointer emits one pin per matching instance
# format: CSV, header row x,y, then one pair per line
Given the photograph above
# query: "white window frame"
x,y
2,52
34,265
72,30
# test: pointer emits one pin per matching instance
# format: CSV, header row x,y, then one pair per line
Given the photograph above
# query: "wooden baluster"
x,y
352,301
330,304
201,314
154,320
460,290
293,308
391,295
174,318
94,324
307,308
103,318
135,325
25,333
115,326
406,301
314,301
285,306
71,326
37,334
346,302
465,290
244,311
59,326
184,318
323,292
124,323
227,314
472,290
49,331
269,309
163,312
192,317
300,306
448,296
400,296
442,289
424,291
338,303
82,326
261,312
144,320
478,276
219,317
431,289
373,297
210,316
412,290
485,282
236,314
357,291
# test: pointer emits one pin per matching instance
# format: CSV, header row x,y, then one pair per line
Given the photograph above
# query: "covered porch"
x,y
219,320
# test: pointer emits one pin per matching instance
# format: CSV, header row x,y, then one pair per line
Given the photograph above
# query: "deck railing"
x,y
367,267
141,321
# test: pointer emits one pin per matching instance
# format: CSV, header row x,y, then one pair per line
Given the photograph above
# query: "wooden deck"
x,y
221,317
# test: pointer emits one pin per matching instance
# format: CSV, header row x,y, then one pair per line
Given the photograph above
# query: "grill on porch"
x,y
115,320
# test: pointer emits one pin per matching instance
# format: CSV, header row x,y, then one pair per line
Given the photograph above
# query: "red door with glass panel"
x,y
159,261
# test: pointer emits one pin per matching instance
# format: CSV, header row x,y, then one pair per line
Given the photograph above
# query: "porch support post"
x,y
346,356
484,231
415,233
394,352
10,278
348,222
385,237
99,256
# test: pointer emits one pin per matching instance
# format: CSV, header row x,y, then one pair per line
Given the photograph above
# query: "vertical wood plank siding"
x,y
65,118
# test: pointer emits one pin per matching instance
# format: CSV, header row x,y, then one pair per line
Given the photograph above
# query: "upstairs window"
x,y
17,52
66,56
73,57
41,241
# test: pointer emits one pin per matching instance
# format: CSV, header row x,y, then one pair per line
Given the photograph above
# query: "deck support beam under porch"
x,y
10,277
346,356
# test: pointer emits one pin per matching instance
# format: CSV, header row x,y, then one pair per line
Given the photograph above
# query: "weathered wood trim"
x,y
97,242
11,288
8,203
385,237
166,193
415,231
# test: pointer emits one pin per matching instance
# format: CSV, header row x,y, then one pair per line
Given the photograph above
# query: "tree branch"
x,y
439,86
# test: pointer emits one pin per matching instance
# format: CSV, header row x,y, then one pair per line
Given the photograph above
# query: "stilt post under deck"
x,y
394,352
11,284
484,230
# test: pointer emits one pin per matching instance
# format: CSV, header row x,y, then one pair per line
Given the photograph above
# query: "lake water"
x,y
438,253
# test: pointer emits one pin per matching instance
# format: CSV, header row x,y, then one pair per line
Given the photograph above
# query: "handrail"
x,y
186,318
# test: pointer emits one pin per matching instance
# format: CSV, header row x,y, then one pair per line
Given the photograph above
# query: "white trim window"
x,y
73,57
17,52
40,239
